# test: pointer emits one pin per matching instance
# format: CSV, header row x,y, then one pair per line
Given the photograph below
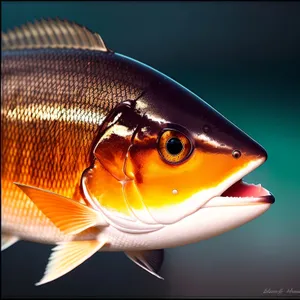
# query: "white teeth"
x,y
258,185
231,201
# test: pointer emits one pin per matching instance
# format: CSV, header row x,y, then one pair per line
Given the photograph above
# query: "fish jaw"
x,y
204,224
239,204
219,215
242,194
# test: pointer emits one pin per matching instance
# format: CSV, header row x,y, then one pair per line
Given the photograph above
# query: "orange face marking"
x,y
149,176
156,179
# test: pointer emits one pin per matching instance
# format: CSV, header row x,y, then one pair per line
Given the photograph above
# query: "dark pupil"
x,y
174,146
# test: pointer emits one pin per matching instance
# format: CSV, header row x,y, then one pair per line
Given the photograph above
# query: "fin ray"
x,y
149,260
70,216
67,256
52,33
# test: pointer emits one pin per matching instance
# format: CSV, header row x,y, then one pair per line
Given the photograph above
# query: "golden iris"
x,y
174,146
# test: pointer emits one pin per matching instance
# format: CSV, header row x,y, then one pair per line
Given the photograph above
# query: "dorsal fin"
x,y
52,33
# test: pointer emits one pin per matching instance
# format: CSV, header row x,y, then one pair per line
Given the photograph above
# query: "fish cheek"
x,y
160,184
217,167
165,185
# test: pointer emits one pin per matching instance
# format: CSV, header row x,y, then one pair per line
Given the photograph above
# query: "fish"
x,y
101,152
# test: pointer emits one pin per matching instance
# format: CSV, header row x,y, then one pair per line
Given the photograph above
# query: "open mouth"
x,y
242,193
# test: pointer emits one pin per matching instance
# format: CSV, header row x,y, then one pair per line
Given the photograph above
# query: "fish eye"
x,y
174,147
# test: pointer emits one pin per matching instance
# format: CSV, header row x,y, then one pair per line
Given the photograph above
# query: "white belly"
x,y
203,224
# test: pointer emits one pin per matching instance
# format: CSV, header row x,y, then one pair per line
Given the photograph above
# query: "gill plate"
x,y
118,124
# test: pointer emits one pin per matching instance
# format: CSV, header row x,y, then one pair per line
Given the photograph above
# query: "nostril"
x,y
236,154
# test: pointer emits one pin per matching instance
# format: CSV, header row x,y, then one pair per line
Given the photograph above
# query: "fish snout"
x,y
261,152
252,150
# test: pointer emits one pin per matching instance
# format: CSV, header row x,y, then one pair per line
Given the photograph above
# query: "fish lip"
x,y
269,199
239,201
266,199
242,194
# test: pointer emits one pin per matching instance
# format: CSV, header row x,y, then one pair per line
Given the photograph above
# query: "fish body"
x,y
103,153
51,113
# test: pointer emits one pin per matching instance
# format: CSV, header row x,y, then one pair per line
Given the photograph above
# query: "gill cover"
x,y
105,183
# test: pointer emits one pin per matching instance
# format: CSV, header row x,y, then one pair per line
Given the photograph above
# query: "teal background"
x,y
243,59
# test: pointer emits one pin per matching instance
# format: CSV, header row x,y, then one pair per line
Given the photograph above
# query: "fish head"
x,y
172,155
184,156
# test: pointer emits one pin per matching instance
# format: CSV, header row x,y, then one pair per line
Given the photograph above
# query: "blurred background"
x,y
243,58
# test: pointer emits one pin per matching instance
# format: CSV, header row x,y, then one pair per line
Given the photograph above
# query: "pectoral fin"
x,y
7,241
70,216
67,256
149,260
